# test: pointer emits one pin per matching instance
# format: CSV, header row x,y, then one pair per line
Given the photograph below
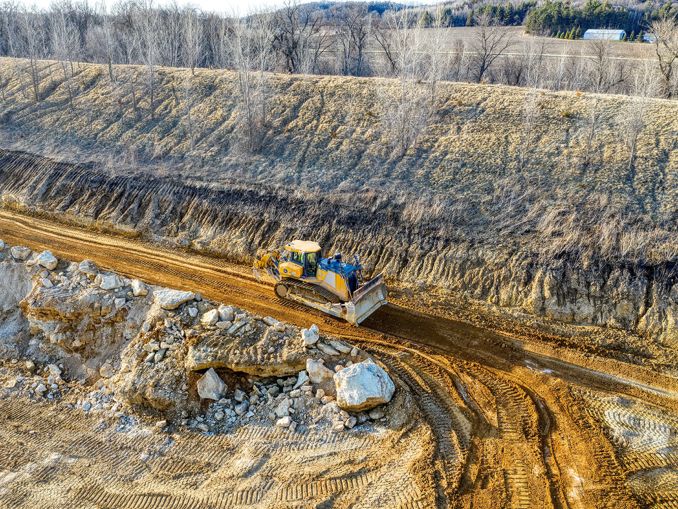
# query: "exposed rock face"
x,y
631,294
210,386
172,299
250,346
363,386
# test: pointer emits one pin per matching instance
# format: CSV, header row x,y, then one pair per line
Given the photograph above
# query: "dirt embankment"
x,y
234,222
96,358
549,203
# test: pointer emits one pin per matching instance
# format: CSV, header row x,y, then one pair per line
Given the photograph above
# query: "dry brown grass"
x,y
483,170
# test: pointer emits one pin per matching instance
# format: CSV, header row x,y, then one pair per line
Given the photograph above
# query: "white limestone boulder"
x,y
20,253
210,318
362,386
139,289
47,260
210,386
172,299
310,336
317,372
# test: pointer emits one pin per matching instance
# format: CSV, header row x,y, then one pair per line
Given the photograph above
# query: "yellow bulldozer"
x,y
327,284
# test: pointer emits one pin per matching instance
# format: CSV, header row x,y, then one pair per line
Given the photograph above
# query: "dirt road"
x,y
513,425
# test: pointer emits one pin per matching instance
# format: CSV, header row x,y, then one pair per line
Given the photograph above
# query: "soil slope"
x,y
545,203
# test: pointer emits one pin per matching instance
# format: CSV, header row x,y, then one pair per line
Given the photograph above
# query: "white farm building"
x,y
604,33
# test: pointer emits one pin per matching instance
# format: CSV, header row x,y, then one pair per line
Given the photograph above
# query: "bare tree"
x,y
101,40
407,111
606,73
352,33
589,134
65,43
192,39
251,54
437,61
489,43
299,37
33,46
146,25
665,33
168,25
633,123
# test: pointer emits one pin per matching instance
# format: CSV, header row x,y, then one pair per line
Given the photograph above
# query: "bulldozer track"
x,y
496,425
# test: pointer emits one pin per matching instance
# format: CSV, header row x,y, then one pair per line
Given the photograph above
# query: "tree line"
x,y
557,17
353,40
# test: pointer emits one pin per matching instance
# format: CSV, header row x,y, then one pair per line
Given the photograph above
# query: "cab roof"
x,y
303,246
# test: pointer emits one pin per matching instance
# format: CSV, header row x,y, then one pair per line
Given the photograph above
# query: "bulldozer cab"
x,y
305,254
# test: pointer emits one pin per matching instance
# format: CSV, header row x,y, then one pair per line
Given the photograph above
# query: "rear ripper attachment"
x,y
327,284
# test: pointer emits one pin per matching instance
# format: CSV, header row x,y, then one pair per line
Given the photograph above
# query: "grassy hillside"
x,y
509,196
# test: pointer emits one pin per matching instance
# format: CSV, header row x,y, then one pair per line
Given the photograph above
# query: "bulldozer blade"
x,y
366,300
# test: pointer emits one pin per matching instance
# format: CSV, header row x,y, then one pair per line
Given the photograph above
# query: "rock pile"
x,y
110,344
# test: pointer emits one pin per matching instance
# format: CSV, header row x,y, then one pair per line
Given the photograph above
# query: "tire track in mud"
x,y
504,430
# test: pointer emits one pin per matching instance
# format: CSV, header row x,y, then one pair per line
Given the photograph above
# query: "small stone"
x,y
354,352
224,325
161,424
284,422
40,389
326,349
110,282
210,318
88,267
319,393
160,354
87,406
30,366
241,408
283,408
340,346
219,416
226,313
295,393
376,413
172,299
326,399
210,386
310,336
238,395
203,427
54,370
270,321
150,357
120,302
350,422
301,379
317,372
46,283
48,260
20,253
193,312
106,370
338,368
139,289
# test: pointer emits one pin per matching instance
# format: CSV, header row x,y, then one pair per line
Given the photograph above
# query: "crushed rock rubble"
x,y
105,344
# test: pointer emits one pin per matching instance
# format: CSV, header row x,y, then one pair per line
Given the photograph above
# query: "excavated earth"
x,y
479,418
531,334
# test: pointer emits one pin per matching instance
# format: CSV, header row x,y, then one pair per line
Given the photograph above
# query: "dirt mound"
x,y
146,350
